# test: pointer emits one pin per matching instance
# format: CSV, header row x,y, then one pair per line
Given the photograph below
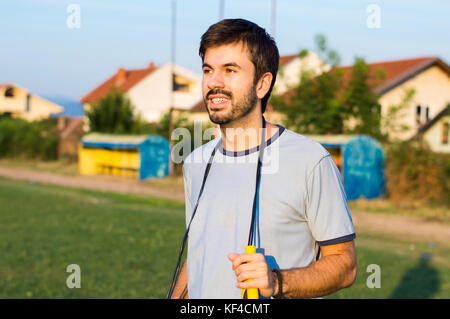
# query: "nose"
x,y
214,80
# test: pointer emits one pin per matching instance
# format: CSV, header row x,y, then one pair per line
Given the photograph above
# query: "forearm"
x,y
321,278
180,291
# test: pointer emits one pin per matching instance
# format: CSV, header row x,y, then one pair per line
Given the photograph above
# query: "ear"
x,y
263,85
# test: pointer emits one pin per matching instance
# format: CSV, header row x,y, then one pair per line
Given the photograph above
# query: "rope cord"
x,y
255,210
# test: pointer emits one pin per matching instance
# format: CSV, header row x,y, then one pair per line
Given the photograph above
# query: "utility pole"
x,y
172,84
221,9
273,16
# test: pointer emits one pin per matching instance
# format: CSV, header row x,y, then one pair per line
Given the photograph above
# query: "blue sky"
x,y
39,52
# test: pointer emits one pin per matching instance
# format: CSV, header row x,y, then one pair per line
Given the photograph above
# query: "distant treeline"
x,y
36,140
416,175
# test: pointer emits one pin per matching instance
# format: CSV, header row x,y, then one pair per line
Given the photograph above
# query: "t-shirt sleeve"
x,y
327,211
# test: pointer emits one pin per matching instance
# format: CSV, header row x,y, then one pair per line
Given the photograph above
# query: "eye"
x,y
229,70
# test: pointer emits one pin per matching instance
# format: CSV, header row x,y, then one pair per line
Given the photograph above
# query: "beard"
x,y
239,107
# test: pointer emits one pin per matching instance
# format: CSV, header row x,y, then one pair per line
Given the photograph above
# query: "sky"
x,y
41,51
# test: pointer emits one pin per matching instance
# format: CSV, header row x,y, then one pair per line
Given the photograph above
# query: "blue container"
x,y
363,168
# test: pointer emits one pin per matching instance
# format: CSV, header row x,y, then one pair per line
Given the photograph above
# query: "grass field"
x,y
126,247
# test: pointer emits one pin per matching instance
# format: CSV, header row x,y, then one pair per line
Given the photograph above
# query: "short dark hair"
x,y
261,46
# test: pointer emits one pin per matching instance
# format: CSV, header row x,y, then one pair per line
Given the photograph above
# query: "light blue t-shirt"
x,y
302,205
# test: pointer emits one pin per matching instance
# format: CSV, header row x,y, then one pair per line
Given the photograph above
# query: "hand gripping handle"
x,y
250,293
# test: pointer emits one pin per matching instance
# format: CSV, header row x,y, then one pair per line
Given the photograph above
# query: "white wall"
x,y
432,89
433,136
152,95
289,74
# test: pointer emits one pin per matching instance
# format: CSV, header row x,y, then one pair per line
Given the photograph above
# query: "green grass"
x,y
127,245
408,270
63,166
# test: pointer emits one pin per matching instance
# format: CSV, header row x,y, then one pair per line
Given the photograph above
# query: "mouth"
x,y
218,102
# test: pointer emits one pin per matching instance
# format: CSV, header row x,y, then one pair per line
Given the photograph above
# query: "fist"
x,y
252,271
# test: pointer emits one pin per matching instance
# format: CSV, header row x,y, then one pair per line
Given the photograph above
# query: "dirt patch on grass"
x,y
170,188
408,228
381,221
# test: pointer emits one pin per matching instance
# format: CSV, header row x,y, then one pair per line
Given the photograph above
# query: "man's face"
x,y
228,83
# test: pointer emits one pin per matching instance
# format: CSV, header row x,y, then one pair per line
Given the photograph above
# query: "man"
x,y
301,205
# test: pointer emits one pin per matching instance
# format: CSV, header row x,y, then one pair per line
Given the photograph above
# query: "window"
x,y
180,84
28,103
9,92
427,114
418,110
445,131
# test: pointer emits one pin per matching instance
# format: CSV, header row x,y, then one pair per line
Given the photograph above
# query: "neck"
x,y
245,133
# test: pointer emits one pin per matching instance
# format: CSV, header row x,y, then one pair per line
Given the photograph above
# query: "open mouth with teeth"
x,y
218,102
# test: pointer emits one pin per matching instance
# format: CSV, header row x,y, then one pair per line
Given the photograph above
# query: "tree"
x,y
328,103
114,114
392,125
313,107
360,102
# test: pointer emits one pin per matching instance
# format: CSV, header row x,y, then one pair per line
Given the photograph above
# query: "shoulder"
x,y
302,148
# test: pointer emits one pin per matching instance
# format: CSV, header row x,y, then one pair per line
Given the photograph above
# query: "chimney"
x,y
120,76
151,65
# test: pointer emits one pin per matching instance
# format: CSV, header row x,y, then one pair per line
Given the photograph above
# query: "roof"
x,y
198,107
396,72
123,79
331,140
112,140
285,59
120,141
430,123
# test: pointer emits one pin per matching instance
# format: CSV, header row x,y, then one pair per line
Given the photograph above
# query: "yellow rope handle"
x,y
252,293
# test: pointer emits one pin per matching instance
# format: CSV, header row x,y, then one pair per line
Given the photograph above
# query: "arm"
x,y
180,291
335,270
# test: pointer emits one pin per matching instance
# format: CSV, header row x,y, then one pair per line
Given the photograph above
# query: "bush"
x,y
415,174
36,140
114,114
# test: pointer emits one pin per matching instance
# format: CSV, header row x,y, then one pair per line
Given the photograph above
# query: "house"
x,y
436,132
150,89
290,69
428,76
19,102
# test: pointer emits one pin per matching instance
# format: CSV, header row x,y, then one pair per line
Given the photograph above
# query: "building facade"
x,y
20,103
152,90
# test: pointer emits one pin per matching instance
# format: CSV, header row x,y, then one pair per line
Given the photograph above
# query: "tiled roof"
x,y
285,59
396,72
198,107
123,80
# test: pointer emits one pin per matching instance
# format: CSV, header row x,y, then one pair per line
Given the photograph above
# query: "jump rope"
x,y
250,293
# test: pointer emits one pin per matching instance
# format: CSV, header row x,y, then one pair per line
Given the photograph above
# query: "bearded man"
x,y
271,188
